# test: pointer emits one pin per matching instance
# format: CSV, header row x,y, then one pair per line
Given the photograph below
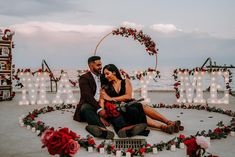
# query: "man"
x,y
89,109
88,106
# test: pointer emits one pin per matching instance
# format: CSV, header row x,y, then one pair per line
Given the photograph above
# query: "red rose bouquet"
x,y
62,142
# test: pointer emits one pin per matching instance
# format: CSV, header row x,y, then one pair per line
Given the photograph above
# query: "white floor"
x,y
20,142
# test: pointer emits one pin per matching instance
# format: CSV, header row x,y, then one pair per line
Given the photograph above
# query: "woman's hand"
x,y
105,96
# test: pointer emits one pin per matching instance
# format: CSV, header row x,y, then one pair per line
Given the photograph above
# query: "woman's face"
x,y
109,75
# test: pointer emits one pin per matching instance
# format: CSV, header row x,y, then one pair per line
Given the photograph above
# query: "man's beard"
x,y
98,72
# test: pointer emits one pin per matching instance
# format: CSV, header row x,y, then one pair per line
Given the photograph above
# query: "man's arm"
x,y
86,92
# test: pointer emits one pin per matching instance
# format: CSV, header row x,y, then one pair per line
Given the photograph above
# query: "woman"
x,y
116,89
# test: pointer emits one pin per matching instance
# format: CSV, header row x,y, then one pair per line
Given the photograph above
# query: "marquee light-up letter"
x,y
64,88
40,85
186,87
25,77
214,86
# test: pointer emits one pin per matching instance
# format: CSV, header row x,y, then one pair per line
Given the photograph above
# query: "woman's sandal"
x,y
167,128
176,124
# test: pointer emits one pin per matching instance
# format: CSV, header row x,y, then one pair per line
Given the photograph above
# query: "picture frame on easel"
x,y
4,51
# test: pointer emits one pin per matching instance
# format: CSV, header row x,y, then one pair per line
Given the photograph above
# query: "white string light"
x,y
24,77
65,89
187,88
214,86
34,87
41,80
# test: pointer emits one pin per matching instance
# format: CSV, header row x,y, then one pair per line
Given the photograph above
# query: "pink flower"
x,y
203,142
46,136
72,147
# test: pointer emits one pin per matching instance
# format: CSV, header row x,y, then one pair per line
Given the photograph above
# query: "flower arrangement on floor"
x,y
67,143
62,142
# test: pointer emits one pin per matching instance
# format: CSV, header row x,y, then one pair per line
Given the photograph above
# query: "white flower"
x,y
203,142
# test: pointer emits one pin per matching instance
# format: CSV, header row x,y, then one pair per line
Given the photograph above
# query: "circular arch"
x,y
143,39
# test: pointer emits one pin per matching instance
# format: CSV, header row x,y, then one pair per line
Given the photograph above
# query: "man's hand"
x,y
104,122
103,114
105,96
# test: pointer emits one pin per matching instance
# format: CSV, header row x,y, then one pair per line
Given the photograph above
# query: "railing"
x,y
52,78
217,66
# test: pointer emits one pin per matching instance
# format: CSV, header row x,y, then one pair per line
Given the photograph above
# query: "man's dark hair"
x,y
93,58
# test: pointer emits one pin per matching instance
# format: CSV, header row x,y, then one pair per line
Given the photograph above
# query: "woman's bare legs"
x,y
153,123
157,116
154,114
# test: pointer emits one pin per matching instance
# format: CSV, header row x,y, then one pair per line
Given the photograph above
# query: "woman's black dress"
x,y
134,114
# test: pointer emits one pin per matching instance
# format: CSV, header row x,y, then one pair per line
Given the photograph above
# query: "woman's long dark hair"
x,y
112,68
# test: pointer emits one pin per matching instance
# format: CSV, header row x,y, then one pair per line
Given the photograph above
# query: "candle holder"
x,y
90,149
28,127
33,129
155,151
173,148
128,154
101,150
182,146
232,133
118,153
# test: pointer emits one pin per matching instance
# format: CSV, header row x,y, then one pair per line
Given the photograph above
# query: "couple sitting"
x,y
100,93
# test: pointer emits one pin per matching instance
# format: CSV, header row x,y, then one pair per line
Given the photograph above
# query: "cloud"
x,y
165,28
37,26
132,25
26,8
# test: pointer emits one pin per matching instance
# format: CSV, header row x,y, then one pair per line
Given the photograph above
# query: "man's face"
x,y
96,66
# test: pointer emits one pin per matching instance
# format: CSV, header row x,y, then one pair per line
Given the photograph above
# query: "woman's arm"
x,y
101,103
126,96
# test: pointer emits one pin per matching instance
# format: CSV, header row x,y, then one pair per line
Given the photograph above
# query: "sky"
x,y
66,32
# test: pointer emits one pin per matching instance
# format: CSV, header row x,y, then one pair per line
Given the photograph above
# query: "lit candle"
x,y
128,154
90,149
38,132
232,133
118,153
155,150
33,129
101,150
182,145
28,127
173,148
